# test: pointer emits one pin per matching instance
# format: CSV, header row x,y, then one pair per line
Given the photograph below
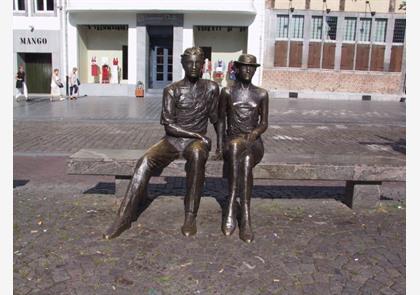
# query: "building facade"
x,y
312,48
333,48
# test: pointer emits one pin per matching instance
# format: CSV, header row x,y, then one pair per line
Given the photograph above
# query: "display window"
x,y
103,53
221,45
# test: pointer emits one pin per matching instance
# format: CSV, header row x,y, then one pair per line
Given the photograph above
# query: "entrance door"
x,y
161,66
38,71
160,55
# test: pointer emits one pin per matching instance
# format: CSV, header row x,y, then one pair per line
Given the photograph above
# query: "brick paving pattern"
x,y
306,241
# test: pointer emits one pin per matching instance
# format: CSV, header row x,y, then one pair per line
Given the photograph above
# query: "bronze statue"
x,y
243,117
187,106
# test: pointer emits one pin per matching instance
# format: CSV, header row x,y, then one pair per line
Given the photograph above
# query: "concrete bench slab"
x,y
363,174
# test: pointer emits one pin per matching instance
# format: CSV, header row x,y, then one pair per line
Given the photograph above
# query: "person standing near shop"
x,y
56,84
74,84
21,88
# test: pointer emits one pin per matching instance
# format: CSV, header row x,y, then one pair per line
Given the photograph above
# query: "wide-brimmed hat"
x,y
247,59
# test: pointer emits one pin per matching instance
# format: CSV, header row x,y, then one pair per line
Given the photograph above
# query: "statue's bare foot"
x,y
116,229
189,228
245,232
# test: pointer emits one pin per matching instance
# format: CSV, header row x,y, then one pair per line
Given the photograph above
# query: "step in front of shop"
x,y
107,89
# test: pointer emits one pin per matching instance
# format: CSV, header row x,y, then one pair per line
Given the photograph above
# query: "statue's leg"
x,y
245,229
156,158
235,150
253,156
196,154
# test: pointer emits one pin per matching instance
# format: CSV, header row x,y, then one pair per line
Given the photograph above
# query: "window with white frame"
x,y
316,28
350,29
44,5
365,29
283,26
330,27
380,30
296,27
19,5
399,31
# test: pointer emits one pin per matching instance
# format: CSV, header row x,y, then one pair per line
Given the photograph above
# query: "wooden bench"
x,y
363,174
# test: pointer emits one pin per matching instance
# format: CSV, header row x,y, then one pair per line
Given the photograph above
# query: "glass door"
x,y
161,66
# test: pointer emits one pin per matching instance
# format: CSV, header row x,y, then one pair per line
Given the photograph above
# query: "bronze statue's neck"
x,y
244,84
191,81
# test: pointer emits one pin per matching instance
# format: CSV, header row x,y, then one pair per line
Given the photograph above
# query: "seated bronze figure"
x,y
243,117
187,107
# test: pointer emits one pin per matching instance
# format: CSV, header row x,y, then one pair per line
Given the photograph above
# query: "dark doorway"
x,y
161,43
38,71
125,62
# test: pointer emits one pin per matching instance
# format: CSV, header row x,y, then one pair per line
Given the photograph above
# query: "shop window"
x,y
380,31
365,29
350,28
399,31
44,5
296,27
19,5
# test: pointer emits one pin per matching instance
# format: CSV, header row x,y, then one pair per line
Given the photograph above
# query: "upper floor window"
x,y
331,27
316,28
380,30
319,31
399,31
365,29
44,5
296,27
19,5
283,26
350,28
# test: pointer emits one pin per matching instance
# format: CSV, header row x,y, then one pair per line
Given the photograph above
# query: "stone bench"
x,y
363,174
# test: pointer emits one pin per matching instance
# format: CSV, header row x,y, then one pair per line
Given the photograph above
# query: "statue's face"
x,y
192,65
246,72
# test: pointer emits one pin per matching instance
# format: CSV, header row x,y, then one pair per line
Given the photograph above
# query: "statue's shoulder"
x,y
226,90
172,88
211,85
262,93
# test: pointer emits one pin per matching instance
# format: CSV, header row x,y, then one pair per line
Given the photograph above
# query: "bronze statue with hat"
x,y
187,106
243,118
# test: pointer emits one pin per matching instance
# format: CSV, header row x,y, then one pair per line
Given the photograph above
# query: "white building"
x,y
116,43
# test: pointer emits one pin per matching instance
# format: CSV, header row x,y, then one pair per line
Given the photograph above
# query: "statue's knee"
x,y
235,146
200,154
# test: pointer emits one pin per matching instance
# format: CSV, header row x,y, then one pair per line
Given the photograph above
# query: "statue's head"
x,y
192,61
245,67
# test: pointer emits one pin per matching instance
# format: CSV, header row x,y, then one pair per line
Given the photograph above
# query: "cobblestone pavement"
x,y
303,246
306,241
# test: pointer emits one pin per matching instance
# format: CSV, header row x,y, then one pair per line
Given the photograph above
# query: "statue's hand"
x,y
206,140
252,136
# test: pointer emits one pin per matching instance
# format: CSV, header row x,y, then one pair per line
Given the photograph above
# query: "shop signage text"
x,y
33,41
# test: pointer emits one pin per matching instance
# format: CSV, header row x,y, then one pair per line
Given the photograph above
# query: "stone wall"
x,y
331,81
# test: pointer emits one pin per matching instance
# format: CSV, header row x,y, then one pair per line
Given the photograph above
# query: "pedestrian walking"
x,y
74,84
21,88
56,84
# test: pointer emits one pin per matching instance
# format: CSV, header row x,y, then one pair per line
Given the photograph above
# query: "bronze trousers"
x,y
155,159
